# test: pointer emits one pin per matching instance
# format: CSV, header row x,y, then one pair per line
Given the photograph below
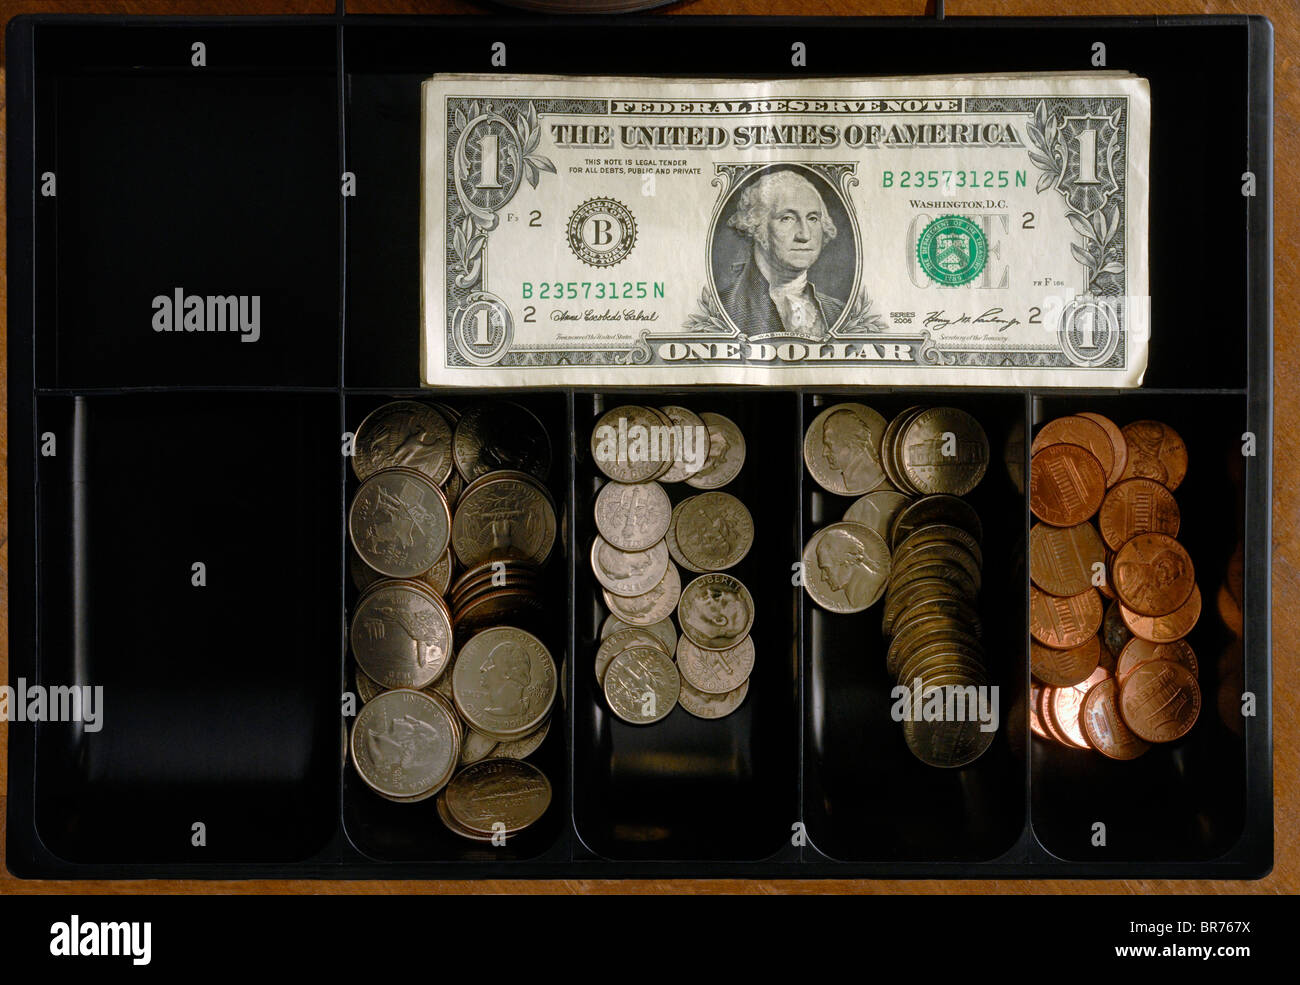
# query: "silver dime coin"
x,y
716,611
726,453
641,685
715,671
711,706
690,444
652,607
632,443
663,630
632,516
714,531
628,573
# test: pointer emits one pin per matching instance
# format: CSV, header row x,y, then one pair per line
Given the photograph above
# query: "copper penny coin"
x,y
1155,451
1139,651
1066,705
1137,506
1065,668
1062,559
1066,484
1104,727
1105,587
1160,700
1153,574
1119,447
1035,722
1165,629
1077,430
1063,622
1044,717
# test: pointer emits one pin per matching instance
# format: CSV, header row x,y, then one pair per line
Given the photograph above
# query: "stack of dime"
x,y
450,529
1114,593
910,540
643,666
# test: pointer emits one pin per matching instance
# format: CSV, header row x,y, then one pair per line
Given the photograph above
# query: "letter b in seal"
x,y
601,232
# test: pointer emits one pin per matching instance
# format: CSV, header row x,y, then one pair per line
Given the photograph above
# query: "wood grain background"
x,y
1285,878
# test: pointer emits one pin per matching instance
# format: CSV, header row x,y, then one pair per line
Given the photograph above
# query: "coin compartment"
x,y
684,787
1185,800
219,699
389,832
177,187
866,796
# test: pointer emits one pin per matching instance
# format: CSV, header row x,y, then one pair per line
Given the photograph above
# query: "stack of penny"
x,y
911,540
1114,593
450,529
644,665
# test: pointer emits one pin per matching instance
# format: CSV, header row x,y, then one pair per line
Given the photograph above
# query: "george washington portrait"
x,y
783,255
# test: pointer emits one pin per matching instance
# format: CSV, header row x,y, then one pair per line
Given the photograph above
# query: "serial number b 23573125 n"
x,y
591,290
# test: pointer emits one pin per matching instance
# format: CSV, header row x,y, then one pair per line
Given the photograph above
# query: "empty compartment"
x,y
866,796
685,787
391,832
383,150
196,222
1184,800
189,567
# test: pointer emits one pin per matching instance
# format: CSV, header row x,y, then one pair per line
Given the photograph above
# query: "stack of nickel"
x,y
1114,592
645,540
911,540
451,527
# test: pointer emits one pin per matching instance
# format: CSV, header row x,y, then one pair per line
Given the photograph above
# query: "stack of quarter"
x,y
1114,593
451,528
644,542
909,539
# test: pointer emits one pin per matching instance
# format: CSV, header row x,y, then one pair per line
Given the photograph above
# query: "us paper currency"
x,y
976,230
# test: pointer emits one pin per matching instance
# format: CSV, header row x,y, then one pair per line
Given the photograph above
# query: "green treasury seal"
x,y
952,250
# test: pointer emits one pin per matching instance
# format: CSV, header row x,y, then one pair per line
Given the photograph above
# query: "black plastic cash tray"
x,y
222,703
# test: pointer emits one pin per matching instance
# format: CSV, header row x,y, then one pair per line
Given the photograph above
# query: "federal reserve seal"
x,y
602,232
952,250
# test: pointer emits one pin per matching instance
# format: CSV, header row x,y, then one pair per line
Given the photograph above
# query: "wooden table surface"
x,y
1286,483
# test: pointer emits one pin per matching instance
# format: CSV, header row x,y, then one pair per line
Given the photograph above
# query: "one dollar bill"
x,y
975,230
